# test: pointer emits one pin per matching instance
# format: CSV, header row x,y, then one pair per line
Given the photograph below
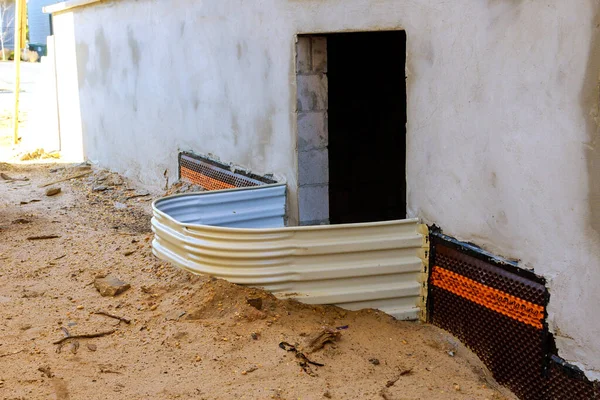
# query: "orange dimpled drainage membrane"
x,y
215,175
206,182
499,301
498,310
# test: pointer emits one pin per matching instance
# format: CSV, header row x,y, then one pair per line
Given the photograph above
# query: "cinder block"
x,y
313,167
303,55
313,203
312,130
319,54
312,92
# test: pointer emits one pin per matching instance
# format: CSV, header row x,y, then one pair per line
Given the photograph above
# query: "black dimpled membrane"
x,y
520,356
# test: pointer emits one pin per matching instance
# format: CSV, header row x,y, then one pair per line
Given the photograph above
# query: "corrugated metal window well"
x,y
238,234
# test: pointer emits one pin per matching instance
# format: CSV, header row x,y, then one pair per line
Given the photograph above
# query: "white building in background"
x,y
40,24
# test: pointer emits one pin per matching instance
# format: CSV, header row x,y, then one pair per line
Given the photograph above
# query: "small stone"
x,y
80,307
254,335
120,206
92,347
100,188
256,303
451,353
251,369
374,361
327,395
457,387
74,347
154,307
110,286
53,191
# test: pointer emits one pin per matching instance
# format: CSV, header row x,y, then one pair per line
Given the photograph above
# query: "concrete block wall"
x,y
313,160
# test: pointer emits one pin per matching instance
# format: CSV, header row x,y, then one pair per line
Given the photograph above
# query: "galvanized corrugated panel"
x,y
262,207
369,265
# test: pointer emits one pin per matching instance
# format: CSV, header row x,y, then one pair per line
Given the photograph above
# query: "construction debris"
x,y
43,237
110,286
53,191
39,153
76,176
303,361
324,336
137,195
402,373
8,178
384,391
30,201
249,370
183,187
121,319
84,336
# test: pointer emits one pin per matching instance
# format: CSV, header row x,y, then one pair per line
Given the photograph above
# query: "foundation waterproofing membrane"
x,y
499,311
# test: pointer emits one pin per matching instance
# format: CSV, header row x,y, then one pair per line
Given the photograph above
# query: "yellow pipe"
x,y
19,33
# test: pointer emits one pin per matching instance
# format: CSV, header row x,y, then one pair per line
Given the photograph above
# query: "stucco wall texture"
x,y
502,114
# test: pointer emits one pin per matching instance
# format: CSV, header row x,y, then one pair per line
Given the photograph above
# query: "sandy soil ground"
x,y
189,337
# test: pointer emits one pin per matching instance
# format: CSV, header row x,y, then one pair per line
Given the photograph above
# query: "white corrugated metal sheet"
x,y
238,235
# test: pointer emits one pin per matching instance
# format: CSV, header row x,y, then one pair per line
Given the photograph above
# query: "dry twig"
x,y
137,195
402,373
9,178
85,336
42,237
66,179
127,321
303,362
11,354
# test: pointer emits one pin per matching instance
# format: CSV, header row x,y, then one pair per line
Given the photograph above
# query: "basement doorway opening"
x,y
351,109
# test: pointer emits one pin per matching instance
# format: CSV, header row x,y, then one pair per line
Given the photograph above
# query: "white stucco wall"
x,y
502,107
